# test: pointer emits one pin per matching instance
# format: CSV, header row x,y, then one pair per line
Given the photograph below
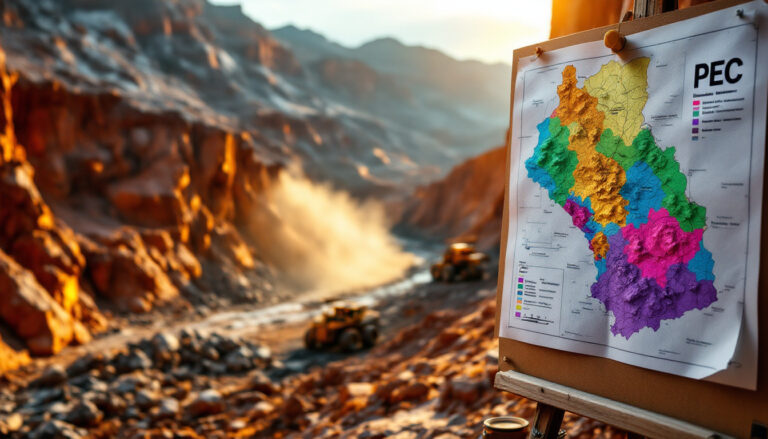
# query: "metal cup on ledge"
x,y
505,427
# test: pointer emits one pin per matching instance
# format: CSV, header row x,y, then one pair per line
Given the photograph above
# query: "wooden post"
x,y
546,424
648,8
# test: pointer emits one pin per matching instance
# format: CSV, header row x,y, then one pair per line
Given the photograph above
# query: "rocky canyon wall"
x,y
104,203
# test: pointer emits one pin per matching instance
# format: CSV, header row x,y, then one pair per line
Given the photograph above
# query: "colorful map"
x,y
602,165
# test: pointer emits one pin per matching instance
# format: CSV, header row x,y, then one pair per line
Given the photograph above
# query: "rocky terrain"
x,y
466,205
143,148
143,142
431,377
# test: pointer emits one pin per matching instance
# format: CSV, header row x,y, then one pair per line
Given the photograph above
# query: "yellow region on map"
x,y
621,95
596,176
600,245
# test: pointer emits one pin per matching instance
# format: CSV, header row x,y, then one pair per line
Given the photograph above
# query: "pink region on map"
x,y
660,243
579,214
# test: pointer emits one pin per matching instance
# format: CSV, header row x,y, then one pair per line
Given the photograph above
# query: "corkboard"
x,y
718,407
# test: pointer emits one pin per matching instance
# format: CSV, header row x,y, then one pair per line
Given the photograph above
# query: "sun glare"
x,y
487,30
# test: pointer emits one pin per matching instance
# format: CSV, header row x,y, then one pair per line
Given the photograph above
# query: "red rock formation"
x,y
465,205
40,260
134,202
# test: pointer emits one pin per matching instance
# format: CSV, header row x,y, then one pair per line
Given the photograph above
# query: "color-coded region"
x,y
627,196
621,95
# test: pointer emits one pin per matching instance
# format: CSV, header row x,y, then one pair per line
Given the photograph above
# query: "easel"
x,y
554,399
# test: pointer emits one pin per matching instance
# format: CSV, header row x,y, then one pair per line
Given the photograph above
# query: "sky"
x,y
487,30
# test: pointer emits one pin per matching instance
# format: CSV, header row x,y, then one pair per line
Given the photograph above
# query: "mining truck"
x,y
348,327
461,262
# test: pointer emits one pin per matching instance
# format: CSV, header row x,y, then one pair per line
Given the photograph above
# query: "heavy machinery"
x,y
347,326
461,262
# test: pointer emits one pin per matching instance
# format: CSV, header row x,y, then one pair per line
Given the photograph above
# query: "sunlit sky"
x,y
487,30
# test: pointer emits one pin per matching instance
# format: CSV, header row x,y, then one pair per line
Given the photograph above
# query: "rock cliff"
x,y
141,143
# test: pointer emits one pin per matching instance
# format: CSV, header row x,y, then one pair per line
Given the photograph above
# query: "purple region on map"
x,y
638,302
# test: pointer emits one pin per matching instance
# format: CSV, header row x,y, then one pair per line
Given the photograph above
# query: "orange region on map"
x,y
597,177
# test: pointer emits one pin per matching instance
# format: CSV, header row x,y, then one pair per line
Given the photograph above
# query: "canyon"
x,y
144,146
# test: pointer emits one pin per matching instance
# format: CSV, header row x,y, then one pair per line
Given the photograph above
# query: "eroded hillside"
x,y
144,144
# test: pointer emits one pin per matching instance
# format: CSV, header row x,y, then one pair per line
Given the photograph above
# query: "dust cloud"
x,y
324,242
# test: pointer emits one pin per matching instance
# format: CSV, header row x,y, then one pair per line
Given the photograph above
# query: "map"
x,y
635,198
627,195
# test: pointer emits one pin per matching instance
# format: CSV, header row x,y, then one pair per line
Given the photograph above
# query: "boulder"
x,y
10,423
122,270
410,392
84,414
261,383
88,362
208,402
32,313
239,360
356,390
53,375
296,405
12,357
135,359
168,409
146,399
111,404
153,197
56,429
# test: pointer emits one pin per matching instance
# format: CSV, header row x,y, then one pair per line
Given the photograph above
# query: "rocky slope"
x,y
141,143
433,379
466,205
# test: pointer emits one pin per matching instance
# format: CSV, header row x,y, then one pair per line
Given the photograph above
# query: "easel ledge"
x,y
625,416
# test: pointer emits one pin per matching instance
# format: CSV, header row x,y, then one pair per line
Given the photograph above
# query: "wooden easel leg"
x,y
546,424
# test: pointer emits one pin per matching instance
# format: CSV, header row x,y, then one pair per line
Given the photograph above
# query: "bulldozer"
x,y
346,326
461,262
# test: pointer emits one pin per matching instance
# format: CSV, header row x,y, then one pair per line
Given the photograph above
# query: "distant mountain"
x,y
464,104
310,46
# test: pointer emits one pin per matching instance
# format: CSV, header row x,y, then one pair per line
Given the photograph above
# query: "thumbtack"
x,y
539,51
614,40
740,13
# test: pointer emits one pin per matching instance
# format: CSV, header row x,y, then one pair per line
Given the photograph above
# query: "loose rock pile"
x,y
158,383
432,380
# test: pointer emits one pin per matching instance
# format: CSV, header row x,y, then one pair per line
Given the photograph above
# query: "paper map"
x,y
635,192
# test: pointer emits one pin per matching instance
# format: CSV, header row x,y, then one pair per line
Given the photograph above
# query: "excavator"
x,y
461,262
346,326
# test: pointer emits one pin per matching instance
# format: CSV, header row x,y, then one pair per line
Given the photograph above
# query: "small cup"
x,y
505,427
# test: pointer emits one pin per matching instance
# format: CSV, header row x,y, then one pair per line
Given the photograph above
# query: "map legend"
x,y
538,296
695,129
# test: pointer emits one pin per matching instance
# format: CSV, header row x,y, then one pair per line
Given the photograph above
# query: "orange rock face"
x,y
33,314
466,204
40,261
126,209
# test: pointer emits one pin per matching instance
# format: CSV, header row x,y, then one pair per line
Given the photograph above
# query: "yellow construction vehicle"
x,y
347,326
461,261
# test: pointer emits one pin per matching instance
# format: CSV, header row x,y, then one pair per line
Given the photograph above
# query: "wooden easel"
x,y
553,399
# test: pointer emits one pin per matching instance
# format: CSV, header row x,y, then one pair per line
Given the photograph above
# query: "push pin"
x,y
740,13
614,40
539,51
